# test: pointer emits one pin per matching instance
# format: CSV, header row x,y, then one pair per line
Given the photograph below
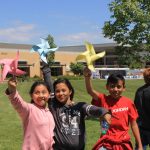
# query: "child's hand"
x,y
107,117
71,103
12,84
87,72
140,148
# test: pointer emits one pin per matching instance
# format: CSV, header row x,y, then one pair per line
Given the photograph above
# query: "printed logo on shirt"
x,y
76,112
120,109
70,124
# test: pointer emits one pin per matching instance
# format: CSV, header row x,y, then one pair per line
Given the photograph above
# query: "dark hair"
x,y
68,84
146,75
114,78
35,84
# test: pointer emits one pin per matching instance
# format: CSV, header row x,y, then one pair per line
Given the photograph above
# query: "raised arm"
x,y
16,100
12,85
47,77
87,76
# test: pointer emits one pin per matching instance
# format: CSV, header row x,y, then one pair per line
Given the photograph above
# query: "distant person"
x,y
142,103
70,116
124,114
37,120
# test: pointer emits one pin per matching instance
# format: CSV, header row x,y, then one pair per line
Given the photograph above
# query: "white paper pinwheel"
x,y
10,66
43,49
90,56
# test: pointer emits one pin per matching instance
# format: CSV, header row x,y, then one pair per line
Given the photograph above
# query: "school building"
x,y
30,62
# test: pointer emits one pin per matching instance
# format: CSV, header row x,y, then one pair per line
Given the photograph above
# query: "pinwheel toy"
x,y
43,49
90,56
10,66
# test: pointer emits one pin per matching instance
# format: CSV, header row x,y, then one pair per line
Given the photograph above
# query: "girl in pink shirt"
x,y
37,120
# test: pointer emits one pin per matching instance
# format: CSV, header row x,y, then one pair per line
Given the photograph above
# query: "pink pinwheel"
x,y
10,66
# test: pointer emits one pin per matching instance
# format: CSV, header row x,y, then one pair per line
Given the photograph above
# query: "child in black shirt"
x,y
70,117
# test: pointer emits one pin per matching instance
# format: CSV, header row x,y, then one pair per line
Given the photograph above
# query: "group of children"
x,y
61,125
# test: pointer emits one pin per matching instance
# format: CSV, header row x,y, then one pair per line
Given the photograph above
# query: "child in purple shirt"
x,y
37,120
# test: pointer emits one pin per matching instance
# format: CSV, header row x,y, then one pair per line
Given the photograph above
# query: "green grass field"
x,y
10,124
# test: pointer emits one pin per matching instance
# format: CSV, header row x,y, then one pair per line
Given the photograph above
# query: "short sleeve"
x,y
99,101
133,115
95,102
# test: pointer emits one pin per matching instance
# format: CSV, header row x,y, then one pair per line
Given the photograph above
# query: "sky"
x,y
69,22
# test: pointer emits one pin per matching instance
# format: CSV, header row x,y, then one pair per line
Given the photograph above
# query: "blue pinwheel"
x,y
43,49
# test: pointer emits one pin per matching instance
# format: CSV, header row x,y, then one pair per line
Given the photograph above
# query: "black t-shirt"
x,y
142,103
70,124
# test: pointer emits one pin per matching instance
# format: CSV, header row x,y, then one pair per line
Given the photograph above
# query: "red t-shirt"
x,y
123,111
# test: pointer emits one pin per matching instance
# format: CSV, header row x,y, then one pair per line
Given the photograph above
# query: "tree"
x,y
77,68
51,55
130,28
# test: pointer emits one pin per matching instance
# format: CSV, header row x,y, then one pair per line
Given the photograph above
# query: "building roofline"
x,y
15,46
76,48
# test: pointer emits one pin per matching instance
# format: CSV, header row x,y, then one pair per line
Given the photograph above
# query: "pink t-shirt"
x,y
38,124
123,111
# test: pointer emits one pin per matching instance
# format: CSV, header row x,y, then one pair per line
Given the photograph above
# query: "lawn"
x,y
10,124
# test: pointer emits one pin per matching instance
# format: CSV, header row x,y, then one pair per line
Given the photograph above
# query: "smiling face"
x,y
62,93
40,95
116,89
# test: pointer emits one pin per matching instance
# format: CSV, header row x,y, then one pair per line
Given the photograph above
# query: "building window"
x,y
56,69
22,65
